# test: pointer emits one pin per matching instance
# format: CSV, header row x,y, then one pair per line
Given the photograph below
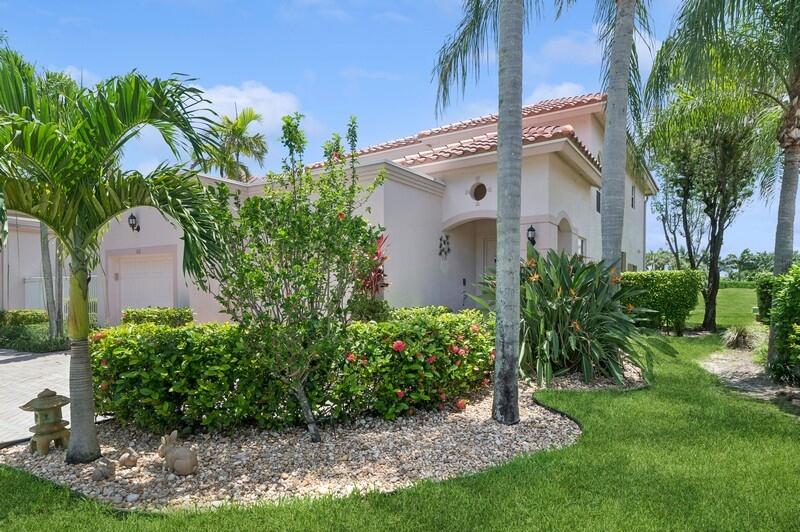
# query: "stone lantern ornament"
x,y
49,426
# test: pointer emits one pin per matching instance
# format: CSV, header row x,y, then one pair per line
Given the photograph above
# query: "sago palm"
x,y
60,163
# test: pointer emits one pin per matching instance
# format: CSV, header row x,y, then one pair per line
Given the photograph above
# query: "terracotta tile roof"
x,y
488,142
538,108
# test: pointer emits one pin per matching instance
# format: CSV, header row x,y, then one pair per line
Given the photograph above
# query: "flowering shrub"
x,y
420,358
174,317
205,377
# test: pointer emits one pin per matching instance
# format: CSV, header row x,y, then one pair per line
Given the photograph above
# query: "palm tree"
x,y
757,41
460,57
234,143
64,170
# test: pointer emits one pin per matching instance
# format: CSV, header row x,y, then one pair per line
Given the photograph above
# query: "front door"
x,y
489,255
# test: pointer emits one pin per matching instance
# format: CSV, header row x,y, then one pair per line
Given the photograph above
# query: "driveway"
x,y
22,376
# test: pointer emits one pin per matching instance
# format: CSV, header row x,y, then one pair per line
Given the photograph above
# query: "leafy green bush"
x,y
419,358
785,320
160,377
670,294
204,376
765,285
366,308
729,283
22,317
33,338
574,319
173,317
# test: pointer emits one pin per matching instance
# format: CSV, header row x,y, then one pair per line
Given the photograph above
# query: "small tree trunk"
x,y
712,288
615,141
59,289
505,407
313,430
83,446
47,280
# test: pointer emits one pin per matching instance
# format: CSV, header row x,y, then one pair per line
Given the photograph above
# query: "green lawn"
x,y
734,307
684,454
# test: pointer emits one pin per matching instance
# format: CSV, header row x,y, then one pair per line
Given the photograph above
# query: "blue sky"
x,y
328,59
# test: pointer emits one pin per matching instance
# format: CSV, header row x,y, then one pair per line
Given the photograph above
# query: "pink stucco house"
x,y
438,205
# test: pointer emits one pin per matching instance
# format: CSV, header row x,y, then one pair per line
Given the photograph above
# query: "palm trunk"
x,y
784,232
47,279
505,408
615,143
83,446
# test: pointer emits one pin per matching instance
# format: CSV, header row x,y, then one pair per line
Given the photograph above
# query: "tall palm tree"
x,y
757,41
234,143
460,57
65,171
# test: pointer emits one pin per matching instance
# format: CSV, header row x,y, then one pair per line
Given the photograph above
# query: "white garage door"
x,y
146,281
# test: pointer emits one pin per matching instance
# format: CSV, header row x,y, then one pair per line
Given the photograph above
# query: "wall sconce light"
x,y
532,235
133,223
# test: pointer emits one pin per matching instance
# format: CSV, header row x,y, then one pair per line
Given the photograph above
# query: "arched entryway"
x,y
564,236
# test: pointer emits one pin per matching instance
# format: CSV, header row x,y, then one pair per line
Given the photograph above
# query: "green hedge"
x,y
161,378
670,294
173,317
785,319
727,283
15,317
202,376
33,338
765,285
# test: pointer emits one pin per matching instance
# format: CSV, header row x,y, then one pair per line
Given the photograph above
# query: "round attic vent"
x,y
478,191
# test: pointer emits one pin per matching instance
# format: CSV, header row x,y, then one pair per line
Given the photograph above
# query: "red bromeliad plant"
x,y
376,279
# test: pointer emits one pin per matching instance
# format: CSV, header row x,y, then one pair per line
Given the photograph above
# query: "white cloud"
x,y
546,91
576,47
83,76
271,105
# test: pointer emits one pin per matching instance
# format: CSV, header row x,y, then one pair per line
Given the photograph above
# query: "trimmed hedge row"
x,y
727,283
765,285
172,317
202,376
670,294
14,317
785,319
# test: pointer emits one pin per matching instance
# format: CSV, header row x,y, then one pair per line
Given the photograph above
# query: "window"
x,y
633,197
623,261
478,191
597,200
582,247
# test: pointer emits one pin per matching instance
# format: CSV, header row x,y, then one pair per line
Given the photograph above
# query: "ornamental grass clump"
x,y
574,319
294,257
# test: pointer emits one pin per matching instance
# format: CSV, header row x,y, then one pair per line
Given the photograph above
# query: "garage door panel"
x,y
147,281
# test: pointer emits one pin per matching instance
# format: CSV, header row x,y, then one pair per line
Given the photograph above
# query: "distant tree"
x,y
661,259
716,139
235,142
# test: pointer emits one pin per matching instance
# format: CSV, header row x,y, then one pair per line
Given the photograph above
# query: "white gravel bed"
x,y
364,455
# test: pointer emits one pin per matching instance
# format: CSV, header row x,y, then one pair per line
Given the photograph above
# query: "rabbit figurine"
x,y
180,460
